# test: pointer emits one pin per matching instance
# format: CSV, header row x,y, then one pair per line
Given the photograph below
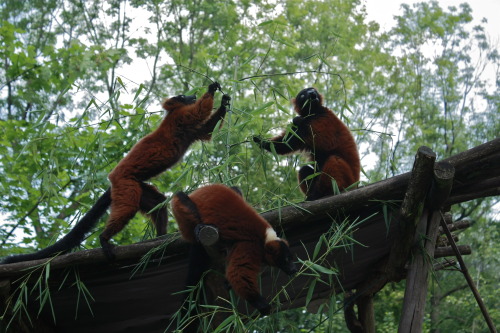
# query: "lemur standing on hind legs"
x,y
187,121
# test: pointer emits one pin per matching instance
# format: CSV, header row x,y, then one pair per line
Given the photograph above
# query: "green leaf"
x,y
262,108
310,291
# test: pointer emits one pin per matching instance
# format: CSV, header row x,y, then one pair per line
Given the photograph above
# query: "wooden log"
x,y
448,218
366,313
412,206
442,241
175,246
412,315
444,264
485,166
441,185
364,321
357,199
463,161
447,251
459,225
475,190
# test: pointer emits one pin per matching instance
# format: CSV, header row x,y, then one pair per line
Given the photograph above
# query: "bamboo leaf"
x,y
310,292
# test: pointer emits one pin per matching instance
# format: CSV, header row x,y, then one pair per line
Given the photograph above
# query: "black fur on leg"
x,y
199,263
306,185
150,199
107,248
261,304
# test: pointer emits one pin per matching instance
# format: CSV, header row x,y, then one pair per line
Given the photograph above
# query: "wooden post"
x,y
364,321
411,210
366,313
417,280
412,207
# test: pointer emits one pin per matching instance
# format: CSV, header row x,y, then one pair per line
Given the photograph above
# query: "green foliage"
x,y
71,108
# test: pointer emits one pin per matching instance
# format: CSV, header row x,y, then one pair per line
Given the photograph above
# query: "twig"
x,y
289,73
468,278
303,72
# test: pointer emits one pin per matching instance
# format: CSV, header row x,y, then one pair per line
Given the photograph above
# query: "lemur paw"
x,y
297,121
213,87
261,305
225,100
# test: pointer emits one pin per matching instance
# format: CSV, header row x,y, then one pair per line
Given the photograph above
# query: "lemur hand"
x,y
297,121
257,140
225,100
213,87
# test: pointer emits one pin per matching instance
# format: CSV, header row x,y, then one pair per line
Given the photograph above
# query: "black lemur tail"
x,y
73,238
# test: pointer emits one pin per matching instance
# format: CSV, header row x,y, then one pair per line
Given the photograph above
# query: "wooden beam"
x,y
366,313
444,264
458,225
412,206
171,243
448,251
412,316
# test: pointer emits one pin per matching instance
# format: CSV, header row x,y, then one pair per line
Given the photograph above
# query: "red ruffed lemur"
x,y
325,139
187,120
249,240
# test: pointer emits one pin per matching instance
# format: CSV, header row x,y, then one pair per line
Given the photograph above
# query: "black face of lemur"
x,y
186,99
285,260
308,97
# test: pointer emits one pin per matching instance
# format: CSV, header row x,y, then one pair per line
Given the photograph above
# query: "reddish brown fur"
x,y
153,154
227,210
327,141
240,228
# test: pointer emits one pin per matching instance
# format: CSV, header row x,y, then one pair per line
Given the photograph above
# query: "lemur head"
x,y
177,102
308,102
277,253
